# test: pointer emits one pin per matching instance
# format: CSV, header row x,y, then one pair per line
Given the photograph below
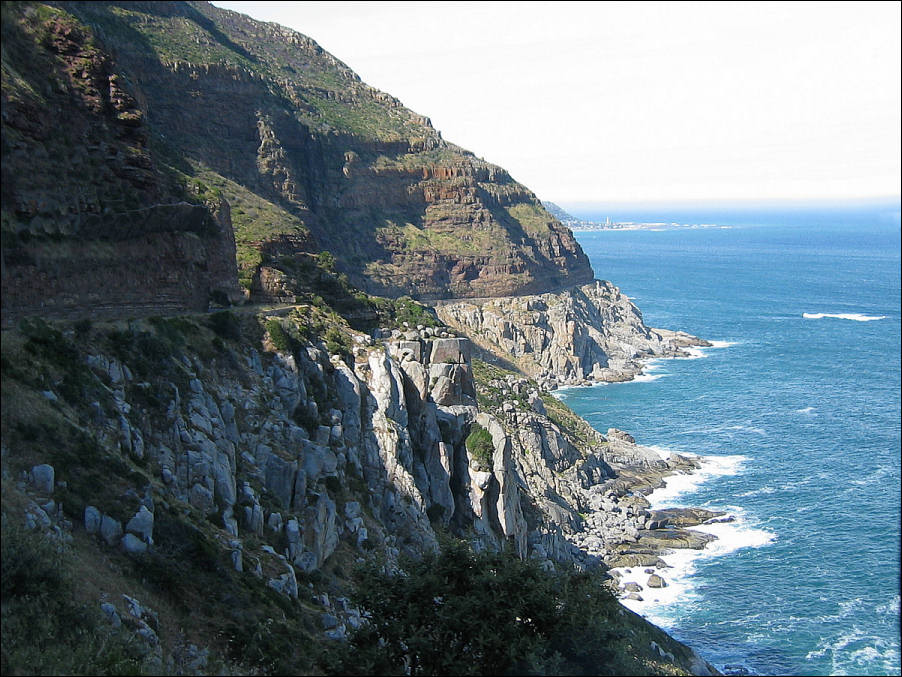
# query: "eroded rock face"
x,y
91,225
582,334
307,156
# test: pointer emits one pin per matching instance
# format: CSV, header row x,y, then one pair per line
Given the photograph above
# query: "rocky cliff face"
x,y
292,460
273,452
91,224
575,336
152,104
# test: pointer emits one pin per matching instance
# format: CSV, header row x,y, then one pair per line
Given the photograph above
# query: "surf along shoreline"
x,y
648,544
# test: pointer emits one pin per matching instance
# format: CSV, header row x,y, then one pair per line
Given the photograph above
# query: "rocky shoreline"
x,y
624,532
583,336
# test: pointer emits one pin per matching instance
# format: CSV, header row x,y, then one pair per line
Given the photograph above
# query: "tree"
x,y
462,613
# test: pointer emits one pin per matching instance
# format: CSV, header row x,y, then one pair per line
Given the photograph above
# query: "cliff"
x,y
208,482
91,224
278,462
579,335
149,105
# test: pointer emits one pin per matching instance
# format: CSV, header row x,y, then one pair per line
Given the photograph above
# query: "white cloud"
x,y
640,101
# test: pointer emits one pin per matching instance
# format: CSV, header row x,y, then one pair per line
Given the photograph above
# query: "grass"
x,y
576,429
255,219
532,217
47,628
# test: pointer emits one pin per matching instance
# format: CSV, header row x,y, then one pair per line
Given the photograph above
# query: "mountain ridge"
x,y
187,102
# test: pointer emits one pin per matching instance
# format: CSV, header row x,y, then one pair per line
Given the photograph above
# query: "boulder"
x,y
133,545
655,581
683,517
110,530
444,393
454,350
109,610
42,477
141,524
92,519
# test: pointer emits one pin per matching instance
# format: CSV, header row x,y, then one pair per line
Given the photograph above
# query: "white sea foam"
x,y
660,605
748,428
724,428
891,608
678,485
858,652
806,410
647,378
757,492
663,452
722,344
696,352
857,317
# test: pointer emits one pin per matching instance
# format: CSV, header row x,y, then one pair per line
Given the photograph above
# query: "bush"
x,y
479,444
279,337
336,342
226,325
463,613
45,630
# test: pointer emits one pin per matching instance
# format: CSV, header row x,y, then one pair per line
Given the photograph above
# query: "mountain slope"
x,y
187,491
187,102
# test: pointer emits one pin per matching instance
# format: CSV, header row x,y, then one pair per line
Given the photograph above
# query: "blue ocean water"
x,y
798,410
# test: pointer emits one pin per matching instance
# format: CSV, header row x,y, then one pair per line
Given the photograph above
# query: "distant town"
x,y
576,224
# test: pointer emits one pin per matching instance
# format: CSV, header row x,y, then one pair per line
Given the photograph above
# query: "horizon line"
x,y
895,200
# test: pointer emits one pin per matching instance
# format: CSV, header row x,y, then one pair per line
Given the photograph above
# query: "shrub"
x,y
336,342
479,444
462,613
226,325
46,631
279,337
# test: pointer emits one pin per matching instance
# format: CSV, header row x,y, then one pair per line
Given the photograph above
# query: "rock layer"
x,y
248,116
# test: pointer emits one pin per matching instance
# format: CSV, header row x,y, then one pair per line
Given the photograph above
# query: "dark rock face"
x,y
158,103
91,223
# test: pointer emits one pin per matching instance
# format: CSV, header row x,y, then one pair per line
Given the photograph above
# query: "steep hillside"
x,y
92,221
339,482
210,484
152,104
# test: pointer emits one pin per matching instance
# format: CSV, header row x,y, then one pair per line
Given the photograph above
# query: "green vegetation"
x,y
488,395
532,217
461,613
46,629
395,312
255,219
479,444
454,240
279,337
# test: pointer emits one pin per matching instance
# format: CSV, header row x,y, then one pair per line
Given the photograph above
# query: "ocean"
x,y
796,415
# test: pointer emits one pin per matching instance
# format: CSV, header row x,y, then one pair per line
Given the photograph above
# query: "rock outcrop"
x,y
579,335
92,223
143,176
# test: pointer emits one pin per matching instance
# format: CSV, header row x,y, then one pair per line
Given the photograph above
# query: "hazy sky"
x,y
622,102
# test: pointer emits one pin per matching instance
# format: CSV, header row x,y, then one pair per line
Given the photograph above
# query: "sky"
x,y
640,101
